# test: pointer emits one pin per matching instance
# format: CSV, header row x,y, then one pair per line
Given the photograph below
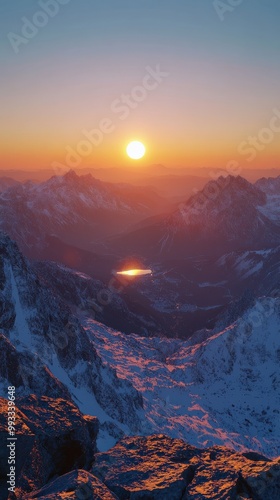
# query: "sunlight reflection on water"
x,y
135,272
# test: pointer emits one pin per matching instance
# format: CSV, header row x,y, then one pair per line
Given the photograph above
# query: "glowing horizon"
x,y
94,73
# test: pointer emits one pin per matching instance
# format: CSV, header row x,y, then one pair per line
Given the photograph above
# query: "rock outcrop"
x,y
53,438
159,468
77,485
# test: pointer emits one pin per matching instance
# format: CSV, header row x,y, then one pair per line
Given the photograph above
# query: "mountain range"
x,y
195,249
160,387
228,214
220,387
80,210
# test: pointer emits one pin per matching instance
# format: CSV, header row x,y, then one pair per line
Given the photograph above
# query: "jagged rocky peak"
x,y
30,213
60,442
270,185
80,180
71,175
226,191
72,180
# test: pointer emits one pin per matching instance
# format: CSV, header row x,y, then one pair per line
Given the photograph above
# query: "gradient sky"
x,y
222,87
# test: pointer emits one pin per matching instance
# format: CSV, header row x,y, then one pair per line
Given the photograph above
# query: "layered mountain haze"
x,y
80,210
228,214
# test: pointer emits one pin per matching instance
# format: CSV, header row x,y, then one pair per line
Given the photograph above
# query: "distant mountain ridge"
x,y
117,174
228,214
79,210
269,185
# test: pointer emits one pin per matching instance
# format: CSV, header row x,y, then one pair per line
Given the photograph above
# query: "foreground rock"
x,y
160,468
137,468
78,484
53,437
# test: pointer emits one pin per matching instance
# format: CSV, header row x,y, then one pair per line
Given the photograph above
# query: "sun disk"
x,y
135,150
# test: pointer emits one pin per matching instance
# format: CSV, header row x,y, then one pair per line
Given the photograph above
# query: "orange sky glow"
x,y
191,88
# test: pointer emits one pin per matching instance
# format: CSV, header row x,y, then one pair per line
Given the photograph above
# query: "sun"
x,y
136,150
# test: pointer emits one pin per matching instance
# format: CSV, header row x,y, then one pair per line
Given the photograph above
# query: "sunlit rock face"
x,y
53,437
148,468
159,468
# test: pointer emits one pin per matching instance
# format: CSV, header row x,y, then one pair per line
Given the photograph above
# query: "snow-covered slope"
x,y
51,353
223,390
220,388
